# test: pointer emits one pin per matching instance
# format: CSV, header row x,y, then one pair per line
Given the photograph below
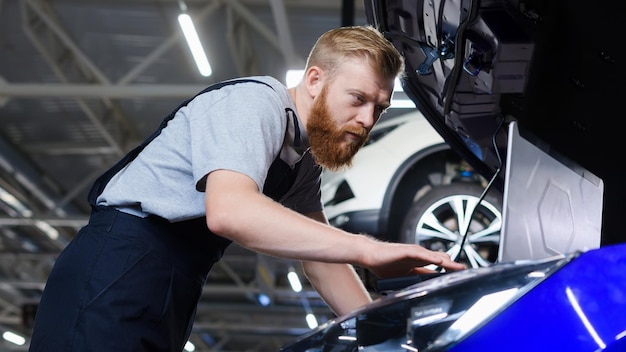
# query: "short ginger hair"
x,y
336,45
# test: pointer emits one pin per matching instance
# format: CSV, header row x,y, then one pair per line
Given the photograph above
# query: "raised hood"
x,y
555,67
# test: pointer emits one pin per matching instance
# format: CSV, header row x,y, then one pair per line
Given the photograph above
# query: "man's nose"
x,y
367,116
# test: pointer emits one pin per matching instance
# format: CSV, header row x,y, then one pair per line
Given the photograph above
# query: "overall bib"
x,y
127,283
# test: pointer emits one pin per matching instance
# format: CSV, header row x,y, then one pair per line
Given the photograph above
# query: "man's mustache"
x,y
358,131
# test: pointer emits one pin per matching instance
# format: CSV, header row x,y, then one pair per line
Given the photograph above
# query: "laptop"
x,y
551,205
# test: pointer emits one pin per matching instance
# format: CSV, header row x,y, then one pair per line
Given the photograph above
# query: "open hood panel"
x,y
555,67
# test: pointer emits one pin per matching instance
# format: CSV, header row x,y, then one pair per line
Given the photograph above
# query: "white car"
x,y
407,185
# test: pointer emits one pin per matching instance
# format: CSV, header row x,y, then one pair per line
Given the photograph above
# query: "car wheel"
x,y
438,220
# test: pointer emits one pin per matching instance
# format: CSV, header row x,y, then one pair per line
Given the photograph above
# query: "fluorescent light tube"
x,y
311,321
14,338
294,281
293,77
402,104
189,31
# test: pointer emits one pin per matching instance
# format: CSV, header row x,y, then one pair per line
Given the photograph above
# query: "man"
x,y
240,162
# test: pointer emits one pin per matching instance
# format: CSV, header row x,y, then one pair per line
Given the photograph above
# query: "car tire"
x,y
436,221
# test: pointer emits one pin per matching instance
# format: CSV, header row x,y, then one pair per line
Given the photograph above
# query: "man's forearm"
x,y
338,285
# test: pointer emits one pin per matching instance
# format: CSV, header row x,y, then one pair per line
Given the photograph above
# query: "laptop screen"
x,y
551,206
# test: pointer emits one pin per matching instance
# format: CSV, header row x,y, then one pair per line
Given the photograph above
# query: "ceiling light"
x,y
264,299
294,281
14,203
311,321
193,41
14,338
293,77
190,347
397,86
402,104
47,229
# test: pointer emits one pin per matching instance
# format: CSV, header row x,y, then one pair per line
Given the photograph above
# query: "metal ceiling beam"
x,y
257,25
284,35
66,59
79,90
30,178
241,49
113,91
52,221
300,4
242,328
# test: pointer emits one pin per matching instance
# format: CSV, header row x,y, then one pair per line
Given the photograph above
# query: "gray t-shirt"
x,y
241,127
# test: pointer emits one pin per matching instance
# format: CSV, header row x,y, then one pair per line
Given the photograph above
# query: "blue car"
x,y
575,302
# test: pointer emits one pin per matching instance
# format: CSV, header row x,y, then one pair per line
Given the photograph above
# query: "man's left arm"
x,y
338,284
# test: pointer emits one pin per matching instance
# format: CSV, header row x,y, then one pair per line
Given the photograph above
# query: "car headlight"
x,y
432,315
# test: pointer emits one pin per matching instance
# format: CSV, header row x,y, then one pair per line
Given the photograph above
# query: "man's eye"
x,y
358,99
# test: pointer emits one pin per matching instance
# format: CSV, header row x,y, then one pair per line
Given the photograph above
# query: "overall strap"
x,y
280,176
102,181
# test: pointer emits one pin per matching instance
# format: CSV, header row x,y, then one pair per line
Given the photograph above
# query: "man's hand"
x,y
388,260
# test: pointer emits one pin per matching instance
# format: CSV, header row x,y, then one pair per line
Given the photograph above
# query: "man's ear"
x,y
313,78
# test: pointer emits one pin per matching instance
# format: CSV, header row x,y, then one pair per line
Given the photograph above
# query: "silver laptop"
x,y
551,206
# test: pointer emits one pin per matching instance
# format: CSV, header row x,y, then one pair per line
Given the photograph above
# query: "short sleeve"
x,y
239,128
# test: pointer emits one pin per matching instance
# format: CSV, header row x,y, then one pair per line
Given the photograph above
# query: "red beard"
x,y
329,145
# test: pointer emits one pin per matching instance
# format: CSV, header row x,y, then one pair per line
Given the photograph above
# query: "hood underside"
x,y
552,66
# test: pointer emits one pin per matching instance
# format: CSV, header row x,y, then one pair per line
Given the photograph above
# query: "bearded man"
x,y
239,162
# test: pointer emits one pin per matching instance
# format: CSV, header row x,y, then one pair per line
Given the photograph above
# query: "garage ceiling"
x,y
81,83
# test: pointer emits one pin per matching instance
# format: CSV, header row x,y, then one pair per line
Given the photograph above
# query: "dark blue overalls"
x,y
126,283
